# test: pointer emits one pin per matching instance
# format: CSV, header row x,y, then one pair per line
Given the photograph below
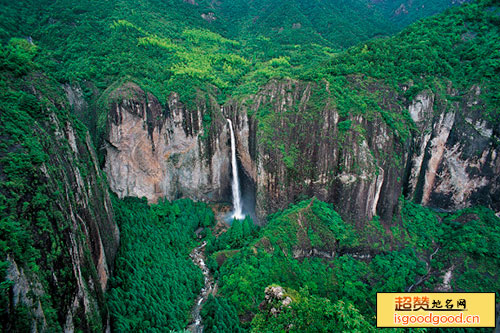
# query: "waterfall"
x,y
236,183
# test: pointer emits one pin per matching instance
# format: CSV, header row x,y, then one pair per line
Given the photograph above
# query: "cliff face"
x,y
454,160
450,161
338,158
58,216
293,141
167,152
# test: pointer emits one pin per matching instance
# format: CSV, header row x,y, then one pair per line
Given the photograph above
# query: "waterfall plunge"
x,y
237,214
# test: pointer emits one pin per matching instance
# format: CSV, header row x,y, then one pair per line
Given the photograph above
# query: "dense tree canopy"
x,y
330,270
156,282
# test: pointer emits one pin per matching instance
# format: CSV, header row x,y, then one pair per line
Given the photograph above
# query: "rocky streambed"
x,y
198,257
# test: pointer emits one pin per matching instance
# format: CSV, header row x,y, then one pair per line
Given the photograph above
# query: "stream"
x,y
198,257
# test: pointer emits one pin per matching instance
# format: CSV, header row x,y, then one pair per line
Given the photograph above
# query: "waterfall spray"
x,y
236,183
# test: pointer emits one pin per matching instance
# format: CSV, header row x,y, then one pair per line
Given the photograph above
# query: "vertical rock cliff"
x,y
295,141
57,217
305,147
300,145
454,161
166,151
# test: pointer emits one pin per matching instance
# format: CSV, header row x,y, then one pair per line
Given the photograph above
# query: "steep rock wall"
x,y
313,150
93,235
168,152
293,142
56,277
455,161
357,162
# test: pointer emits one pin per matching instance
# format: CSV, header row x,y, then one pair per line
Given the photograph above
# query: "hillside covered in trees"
x,y
367,138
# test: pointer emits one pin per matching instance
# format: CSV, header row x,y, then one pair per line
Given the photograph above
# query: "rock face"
x,y
166,152
357,162
451,157
275,300
301,145
93,237
71,235
455,163
321,155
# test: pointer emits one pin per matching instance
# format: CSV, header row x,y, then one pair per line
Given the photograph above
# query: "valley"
x,y
263,166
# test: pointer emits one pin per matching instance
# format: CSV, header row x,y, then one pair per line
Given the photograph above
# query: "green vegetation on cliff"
x,y
50,200
54,203
96,44
25,218
448,54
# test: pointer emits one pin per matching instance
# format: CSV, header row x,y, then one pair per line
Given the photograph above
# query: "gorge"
x,y
235,166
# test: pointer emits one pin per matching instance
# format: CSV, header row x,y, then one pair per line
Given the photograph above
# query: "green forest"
x,y
55,196
345,283
156,282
